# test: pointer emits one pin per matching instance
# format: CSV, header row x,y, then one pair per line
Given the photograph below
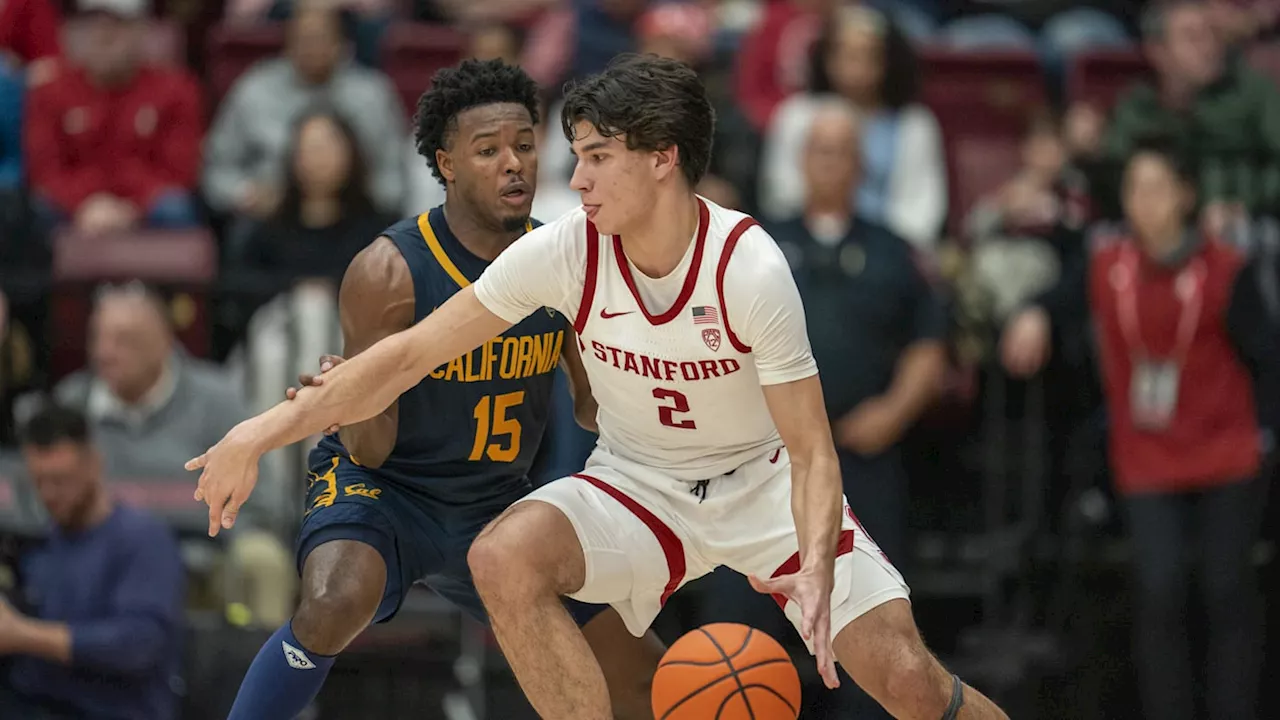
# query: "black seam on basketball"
x,y
730,696
745,641
722,678
732,670
777,694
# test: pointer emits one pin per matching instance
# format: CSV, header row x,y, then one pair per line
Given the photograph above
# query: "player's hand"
x,y
1024,346
327,363
230,471
872,427
811,589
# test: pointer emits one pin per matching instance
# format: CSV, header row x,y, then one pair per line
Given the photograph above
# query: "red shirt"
x,y
1213,437
773,62
29,28
133,142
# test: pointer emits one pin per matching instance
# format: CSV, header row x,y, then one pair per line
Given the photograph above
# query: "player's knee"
x,y
505,559
341,593
916,685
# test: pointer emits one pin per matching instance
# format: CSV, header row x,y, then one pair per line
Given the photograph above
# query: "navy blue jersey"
x,y
469,431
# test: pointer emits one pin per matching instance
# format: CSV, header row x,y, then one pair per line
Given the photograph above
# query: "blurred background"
x,y
183,182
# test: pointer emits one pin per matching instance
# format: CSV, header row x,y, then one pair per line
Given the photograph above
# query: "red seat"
x,y
163,41
233,48
181,265
1101,77
987,92
413,52
982,101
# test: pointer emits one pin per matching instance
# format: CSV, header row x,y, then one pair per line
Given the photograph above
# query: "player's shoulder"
x,y
379,271
743,243
564,235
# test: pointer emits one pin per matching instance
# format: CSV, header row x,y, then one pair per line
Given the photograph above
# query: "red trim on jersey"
x,y
792,565
672,548
729,244
690,278
589,282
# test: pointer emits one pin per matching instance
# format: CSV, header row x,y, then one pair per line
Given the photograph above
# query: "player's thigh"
x,y
634,557
761,539
360,539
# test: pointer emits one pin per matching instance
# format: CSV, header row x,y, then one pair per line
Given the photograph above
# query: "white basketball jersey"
x,y
677,389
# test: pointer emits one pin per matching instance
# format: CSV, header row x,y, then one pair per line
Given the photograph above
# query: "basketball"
x,y
726,671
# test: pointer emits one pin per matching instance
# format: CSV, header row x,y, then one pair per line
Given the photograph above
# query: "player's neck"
x,y
478,238
657,247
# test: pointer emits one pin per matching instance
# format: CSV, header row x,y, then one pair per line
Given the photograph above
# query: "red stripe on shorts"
x,y
672,548
792,565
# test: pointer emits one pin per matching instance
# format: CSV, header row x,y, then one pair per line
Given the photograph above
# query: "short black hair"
x,y
53,423
900,85
471,83
655,102
1170,151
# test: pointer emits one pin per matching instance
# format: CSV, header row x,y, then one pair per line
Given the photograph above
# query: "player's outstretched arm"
x,y
353,392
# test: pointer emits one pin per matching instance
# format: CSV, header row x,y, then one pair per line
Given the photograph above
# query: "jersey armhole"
x,y
589,282
730,243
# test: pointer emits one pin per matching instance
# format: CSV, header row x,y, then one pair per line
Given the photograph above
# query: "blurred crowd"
x,y
1029,204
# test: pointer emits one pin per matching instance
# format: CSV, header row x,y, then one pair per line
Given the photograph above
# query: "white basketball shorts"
x,y
645,534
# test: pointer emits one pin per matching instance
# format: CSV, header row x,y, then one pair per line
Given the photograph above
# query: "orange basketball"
x,y
726,671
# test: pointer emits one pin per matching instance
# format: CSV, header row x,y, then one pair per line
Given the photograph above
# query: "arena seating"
x,y
182,264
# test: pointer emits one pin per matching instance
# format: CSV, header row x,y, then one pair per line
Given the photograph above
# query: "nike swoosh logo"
x,y
604,313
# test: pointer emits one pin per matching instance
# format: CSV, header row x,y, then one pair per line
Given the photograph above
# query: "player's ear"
x,y
445,163
666,161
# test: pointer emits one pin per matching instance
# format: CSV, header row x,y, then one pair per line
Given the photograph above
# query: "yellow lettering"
x,y
525,363
438,373
555,352
510,356
454,371
473,372
362,491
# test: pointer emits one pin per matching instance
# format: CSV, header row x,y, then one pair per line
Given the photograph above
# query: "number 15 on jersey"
x,y
497,434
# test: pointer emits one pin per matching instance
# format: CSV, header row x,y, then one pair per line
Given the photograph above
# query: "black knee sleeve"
x,y
957,699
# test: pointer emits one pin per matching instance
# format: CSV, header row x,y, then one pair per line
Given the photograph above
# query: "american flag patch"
x,y
705,314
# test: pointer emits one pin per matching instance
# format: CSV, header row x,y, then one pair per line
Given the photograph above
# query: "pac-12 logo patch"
x,y
711,336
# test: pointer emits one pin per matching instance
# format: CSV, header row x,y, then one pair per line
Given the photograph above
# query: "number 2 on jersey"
x,y
492,423
679,404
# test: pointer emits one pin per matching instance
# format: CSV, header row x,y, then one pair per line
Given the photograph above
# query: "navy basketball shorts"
x,y
419,538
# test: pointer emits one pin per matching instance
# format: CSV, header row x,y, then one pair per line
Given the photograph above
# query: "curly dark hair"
x,y
900,85
655,102
470,84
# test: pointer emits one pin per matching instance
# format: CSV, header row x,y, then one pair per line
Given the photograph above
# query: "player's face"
x,y
492,163
65,476
618,186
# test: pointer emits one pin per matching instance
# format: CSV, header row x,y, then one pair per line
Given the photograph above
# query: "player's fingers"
x,y
231,510
216,502
199,494
196,463
331,430
769,587
291,393
329,362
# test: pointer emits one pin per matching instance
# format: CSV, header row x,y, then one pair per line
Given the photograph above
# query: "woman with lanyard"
x,y
1189,364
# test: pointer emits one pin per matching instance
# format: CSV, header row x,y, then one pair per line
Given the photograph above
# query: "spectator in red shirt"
x,y
114,143
29,35
1188,357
